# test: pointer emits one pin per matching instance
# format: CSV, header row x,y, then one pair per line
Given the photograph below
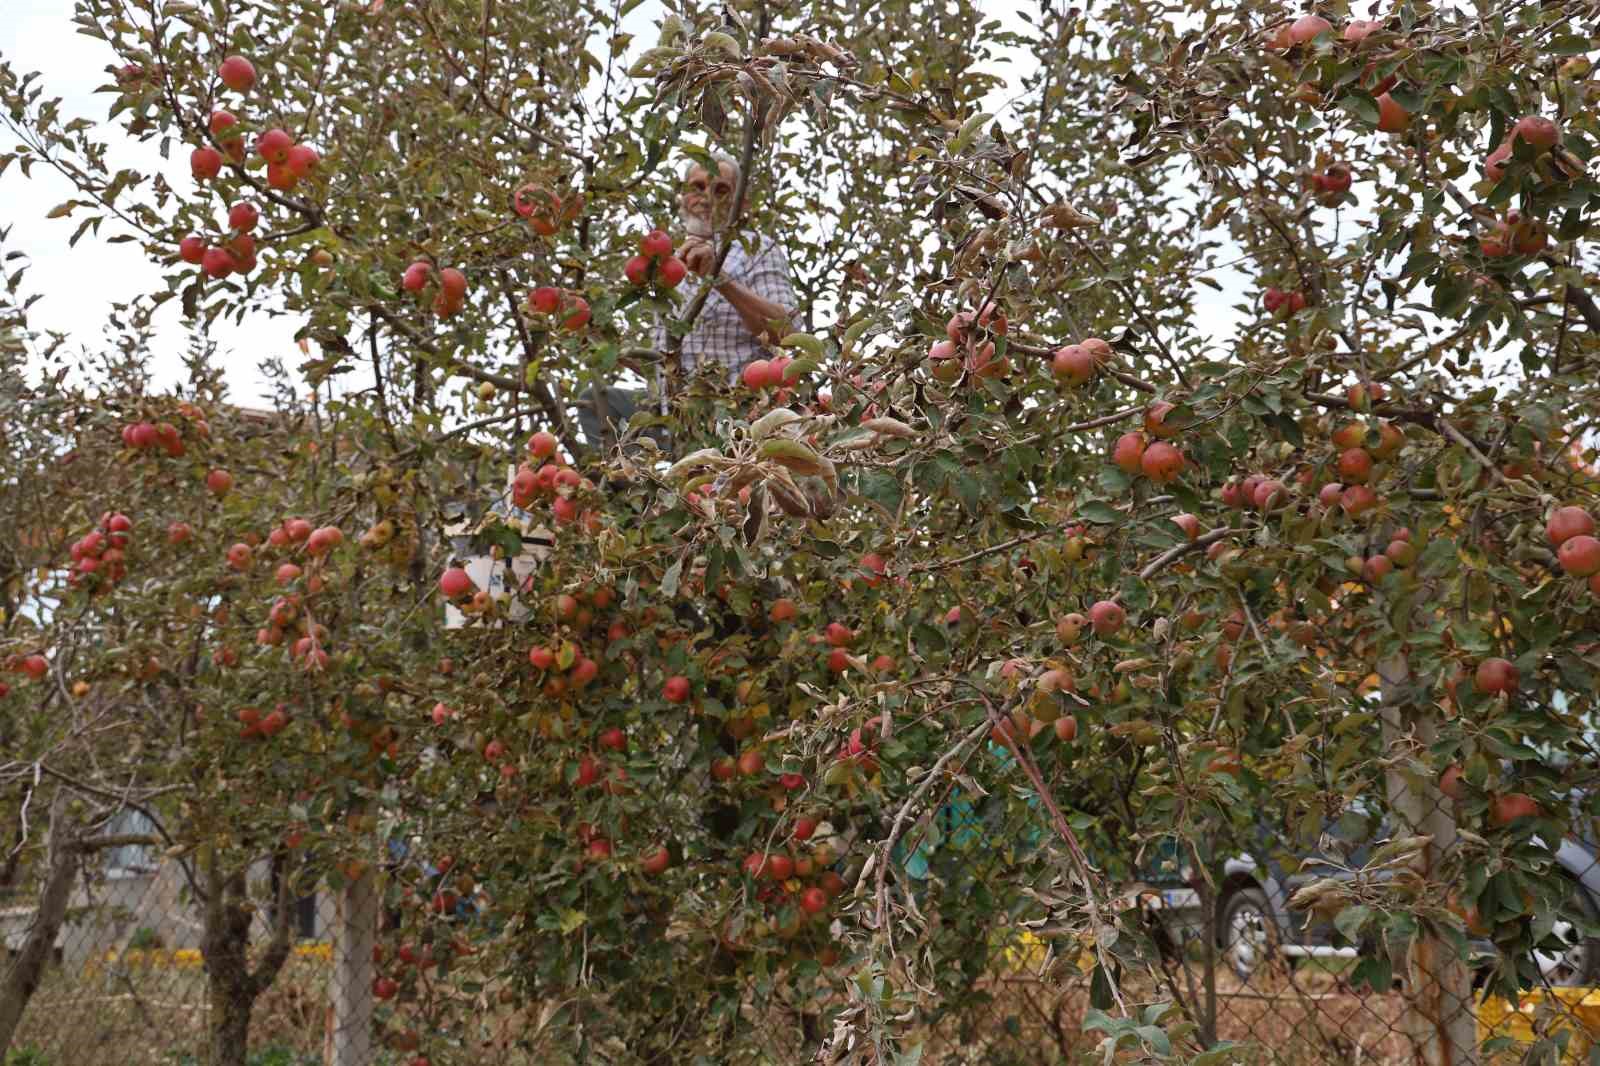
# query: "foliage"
x,y
954,530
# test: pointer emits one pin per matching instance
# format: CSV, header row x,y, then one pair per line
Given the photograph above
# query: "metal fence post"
x,y
1438,1017
348,1039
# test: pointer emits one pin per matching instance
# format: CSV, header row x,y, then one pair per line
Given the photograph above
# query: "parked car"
x,y
1255,923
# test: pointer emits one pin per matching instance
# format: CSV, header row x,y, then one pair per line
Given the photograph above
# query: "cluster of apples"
x,y
286,616
562,305
543,209
1400,552
1075,364
1283,304
1135,453
287,162
1043,709
102,552
1536,131
655,261
1392,118
1571,533
1330,184
552,479
147,436
1515,234
450,292
34,666
253,725
236,254
771,373
781,874
968,345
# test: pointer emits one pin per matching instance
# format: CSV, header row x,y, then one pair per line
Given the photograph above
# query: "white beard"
x,y
695,225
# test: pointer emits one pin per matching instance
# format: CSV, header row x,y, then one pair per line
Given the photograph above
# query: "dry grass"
x,y
153,1011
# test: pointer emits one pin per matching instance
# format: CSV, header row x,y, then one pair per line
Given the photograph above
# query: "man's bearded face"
x,y
706,199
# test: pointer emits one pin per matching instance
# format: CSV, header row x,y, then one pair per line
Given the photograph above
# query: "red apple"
x,y
192,249
1161,462
656,244
546,299
813,900
1128,452
205,163
1357,499
676,689
455,583
1106,617
1579,555
324,539
1495,676
1072,364
237,73
1308,28
1568,522
415,278
1356,31
1355,465
1392,118
243,216
1510,806
274,145
302,160
1538,131
577,311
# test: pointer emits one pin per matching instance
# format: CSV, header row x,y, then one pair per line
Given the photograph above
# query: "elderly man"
x,y
751,300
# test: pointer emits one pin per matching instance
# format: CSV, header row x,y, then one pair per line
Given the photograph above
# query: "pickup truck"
x,y
1255,923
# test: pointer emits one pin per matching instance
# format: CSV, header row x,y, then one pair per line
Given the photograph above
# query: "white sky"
x,y
78,284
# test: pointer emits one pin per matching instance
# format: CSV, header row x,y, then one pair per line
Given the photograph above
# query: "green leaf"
x,y
1362,106
1100,514
670,579
811,345
1450,295
1350,920
969,130
883,489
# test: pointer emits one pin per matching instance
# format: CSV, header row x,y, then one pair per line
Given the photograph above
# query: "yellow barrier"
x,y
184,958
1576,1010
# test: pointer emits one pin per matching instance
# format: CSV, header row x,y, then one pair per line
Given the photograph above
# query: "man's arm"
x,y
758,312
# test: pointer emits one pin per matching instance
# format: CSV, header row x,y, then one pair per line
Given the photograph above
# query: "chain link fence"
x,y
126,982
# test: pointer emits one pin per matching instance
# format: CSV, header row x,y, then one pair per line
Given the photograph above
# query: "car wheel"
x,y
1246,932
1579,963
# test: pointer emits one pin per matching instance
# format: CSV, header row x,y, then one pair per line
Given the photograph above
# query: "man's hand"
x,y
698,255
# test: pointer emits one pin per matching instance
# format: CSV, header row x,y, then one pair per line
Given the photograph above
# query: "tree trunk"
x,y
1438,1016
229,917
230,1029
22,980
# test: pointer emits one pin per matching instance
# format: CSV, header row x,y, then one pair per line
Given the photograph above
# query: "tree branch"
x,y
1178,551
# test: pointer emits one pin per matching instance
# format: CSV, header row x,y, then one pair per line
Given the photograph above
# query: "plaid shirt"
x,y
719,336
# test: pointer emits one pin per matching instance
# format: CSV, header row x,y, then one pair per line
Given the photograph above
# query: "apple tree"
x,y
1199,441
